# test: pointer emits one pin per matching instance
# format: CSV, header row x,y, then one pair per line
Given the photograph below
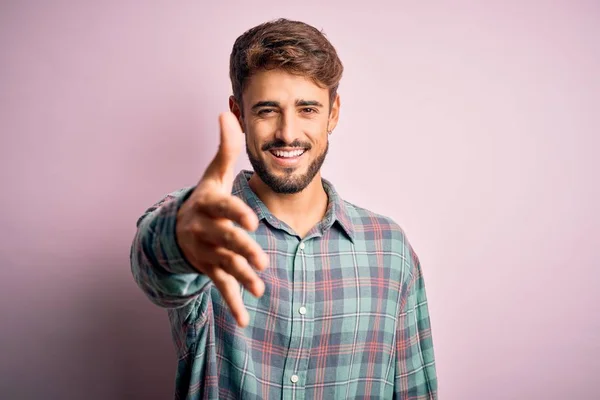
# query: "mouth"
x,y
287,157
287,153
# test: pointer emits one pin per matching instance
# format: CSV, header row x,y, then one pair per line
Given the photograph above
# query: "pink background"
x,y
474,125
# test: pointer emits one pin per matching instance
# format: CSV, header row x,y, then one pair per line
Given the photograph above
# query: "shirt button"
x,y
302,246
294,378
302,310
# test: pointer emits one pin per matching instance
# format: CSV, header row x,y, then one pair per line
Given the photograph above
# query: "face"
x,y
286,119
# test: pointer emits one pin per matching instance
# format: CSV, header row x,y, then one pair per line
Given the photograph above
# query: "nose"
x,y
286,131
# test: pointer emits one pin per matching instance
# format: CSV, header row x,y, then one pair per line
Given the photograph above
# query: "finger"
x,y
230,291
206,257
222,233
238,267
219,205
222,166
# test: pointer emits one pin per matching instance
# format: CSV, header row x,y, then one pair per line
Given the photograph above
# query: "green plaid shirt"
x,y
344,314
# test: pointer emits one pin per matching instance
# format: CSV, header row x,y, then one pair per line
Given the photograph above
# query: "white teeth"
x,y
288,154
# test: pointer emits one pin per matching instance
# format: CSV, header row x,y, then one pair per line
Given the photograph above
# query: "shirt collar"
x,y
337,210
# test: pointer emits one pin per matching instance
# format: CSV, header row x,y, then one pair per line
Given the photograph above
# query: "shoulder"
x,y
383,232
370,222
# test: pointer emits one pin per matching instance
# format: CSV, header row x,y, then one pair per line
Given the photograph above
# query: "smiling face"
x,y
286,119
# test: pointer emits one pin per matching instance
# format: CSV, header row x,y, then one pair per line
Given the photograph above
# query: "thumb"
x,y
222,166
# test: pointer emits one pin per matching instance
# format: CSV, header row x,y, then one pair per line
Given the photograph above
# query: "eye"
x,y
266,112
309,110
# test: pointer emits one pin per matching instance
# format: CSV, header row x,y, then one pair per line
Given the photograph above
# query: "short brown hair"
x,y
293,46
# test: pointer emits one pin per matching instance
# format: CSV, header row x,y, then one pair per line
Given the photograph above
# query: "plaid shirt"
x,y
344,313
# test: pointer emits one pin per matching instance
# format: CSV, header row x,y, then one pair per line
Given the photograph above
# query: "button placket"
x,y
302,330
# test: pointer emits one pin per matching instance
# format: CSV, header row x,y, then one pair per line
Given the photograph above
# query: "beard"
x,y
287,183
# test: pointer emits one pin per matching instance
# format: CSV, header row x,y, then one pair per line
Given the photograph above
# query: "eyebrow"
x,y
299,103
305,103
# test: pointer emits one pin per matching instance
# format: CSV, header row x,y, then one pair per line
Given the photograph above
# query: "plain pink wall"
x,y
475,125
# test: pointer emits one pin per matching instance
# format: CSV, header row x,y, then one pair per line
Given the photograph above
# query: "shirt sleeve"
x,y
415,376
157,262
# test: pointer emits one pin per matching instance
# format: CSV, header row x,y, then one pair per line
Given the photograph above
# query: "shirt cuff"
x,y
177,263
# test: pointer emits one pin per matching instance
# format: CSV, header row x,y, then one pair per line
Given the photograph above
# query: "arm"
x,y
415,363
199,235
157,263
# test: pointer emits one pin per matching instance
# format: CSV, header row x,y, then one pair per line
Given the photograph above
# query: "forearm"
x,y
157,263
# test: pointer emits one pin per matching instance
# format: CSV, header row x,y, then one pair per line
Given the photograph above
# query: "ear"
x,y
236,109
334,114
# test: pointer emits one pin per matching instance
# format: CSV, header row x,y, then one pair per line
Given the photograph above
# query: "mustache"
x,y
281,144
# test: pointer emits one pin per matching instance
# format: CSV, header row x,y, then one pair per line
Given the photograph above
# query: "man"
x,y
276,287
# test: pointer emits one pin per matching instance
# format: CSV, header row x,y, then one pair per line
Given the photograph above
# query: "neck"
x,y
301,211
